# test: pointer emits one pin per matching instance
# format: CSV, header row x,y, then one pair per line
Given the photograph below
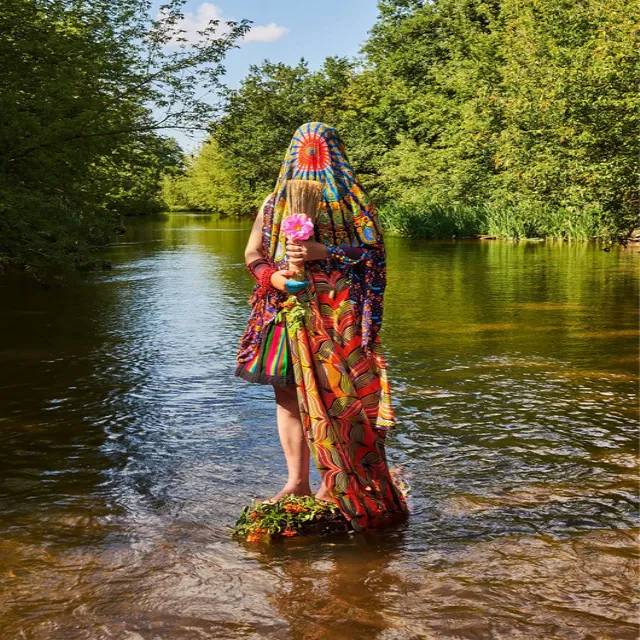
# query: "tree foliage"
x,y
238,164
86,88
522,113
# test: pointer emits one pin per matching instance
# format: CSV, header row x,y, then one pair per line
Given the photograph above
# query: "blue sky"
x,y
286,30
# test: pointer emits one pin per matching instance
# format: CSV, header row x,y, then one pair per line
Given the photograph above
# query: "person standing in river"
x,y
329,374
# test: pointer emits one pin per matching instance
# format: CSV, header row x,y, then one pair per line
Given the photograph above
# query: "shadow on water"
x,y
127,448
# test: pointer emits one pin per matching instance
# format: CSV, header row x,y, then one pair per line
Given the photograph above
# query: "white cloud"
x,y
268,33
207,11
192,24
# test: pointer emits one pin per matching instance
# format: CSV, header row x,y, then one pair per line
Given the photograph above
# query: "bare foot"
x,y
297,490
323,494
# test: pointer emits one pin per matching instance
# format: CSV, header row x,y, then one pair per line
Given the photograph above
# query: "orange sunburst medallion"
x,y
313,153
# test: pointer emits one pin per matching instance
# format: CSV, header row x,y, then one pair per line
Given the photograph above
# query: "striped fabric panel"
x,y
252,365
275,356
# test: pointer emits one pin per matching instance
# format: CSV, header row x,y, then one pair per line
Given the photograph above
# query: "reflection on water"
x,y
127,448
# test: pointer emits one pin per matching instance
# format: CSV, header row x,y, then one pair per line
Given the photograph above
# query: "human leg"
x,y
294,444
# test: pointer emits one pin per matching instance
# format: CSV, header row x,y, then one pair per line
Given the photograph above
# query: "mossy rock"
x,y
288,517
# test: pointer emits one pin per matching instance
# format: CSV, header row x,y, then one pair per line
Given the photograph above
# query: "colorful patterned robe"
x,y
338,365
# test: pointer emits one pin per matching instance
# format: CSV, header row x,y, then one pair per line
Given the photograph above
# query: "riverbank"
x,y
490,221
483,222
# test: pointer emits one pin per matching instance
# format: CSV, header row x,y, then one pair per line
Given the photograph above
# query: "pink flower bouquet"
x,y
297,227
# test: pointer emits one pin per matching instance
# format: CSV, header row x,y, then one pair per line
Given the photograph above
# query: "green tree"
x,y
571,112
238,166
207,183
86,87
529,107
513,117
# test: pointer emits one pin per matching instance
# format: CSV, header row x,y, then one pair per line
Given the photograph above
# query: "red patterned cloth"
x,y
345,406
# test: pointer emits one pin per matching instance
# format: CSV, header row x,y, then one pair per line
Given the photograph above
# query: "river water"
x,y
127,449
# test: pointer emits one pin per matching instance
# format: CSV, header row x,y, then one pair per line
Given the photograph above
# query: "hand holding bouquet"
x,y
303,200
297,228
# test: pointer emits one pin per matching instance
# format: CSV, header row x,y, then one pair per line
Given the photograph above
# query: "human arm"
x,y
300,252
253,250
259,267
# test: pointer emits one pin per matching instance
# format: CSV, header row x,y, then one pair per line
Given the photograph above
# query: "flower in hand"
x,y
298,227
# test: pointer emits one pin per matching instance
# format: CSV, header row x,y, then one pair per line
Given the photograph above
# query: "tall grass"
x,y
460,221
433,220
